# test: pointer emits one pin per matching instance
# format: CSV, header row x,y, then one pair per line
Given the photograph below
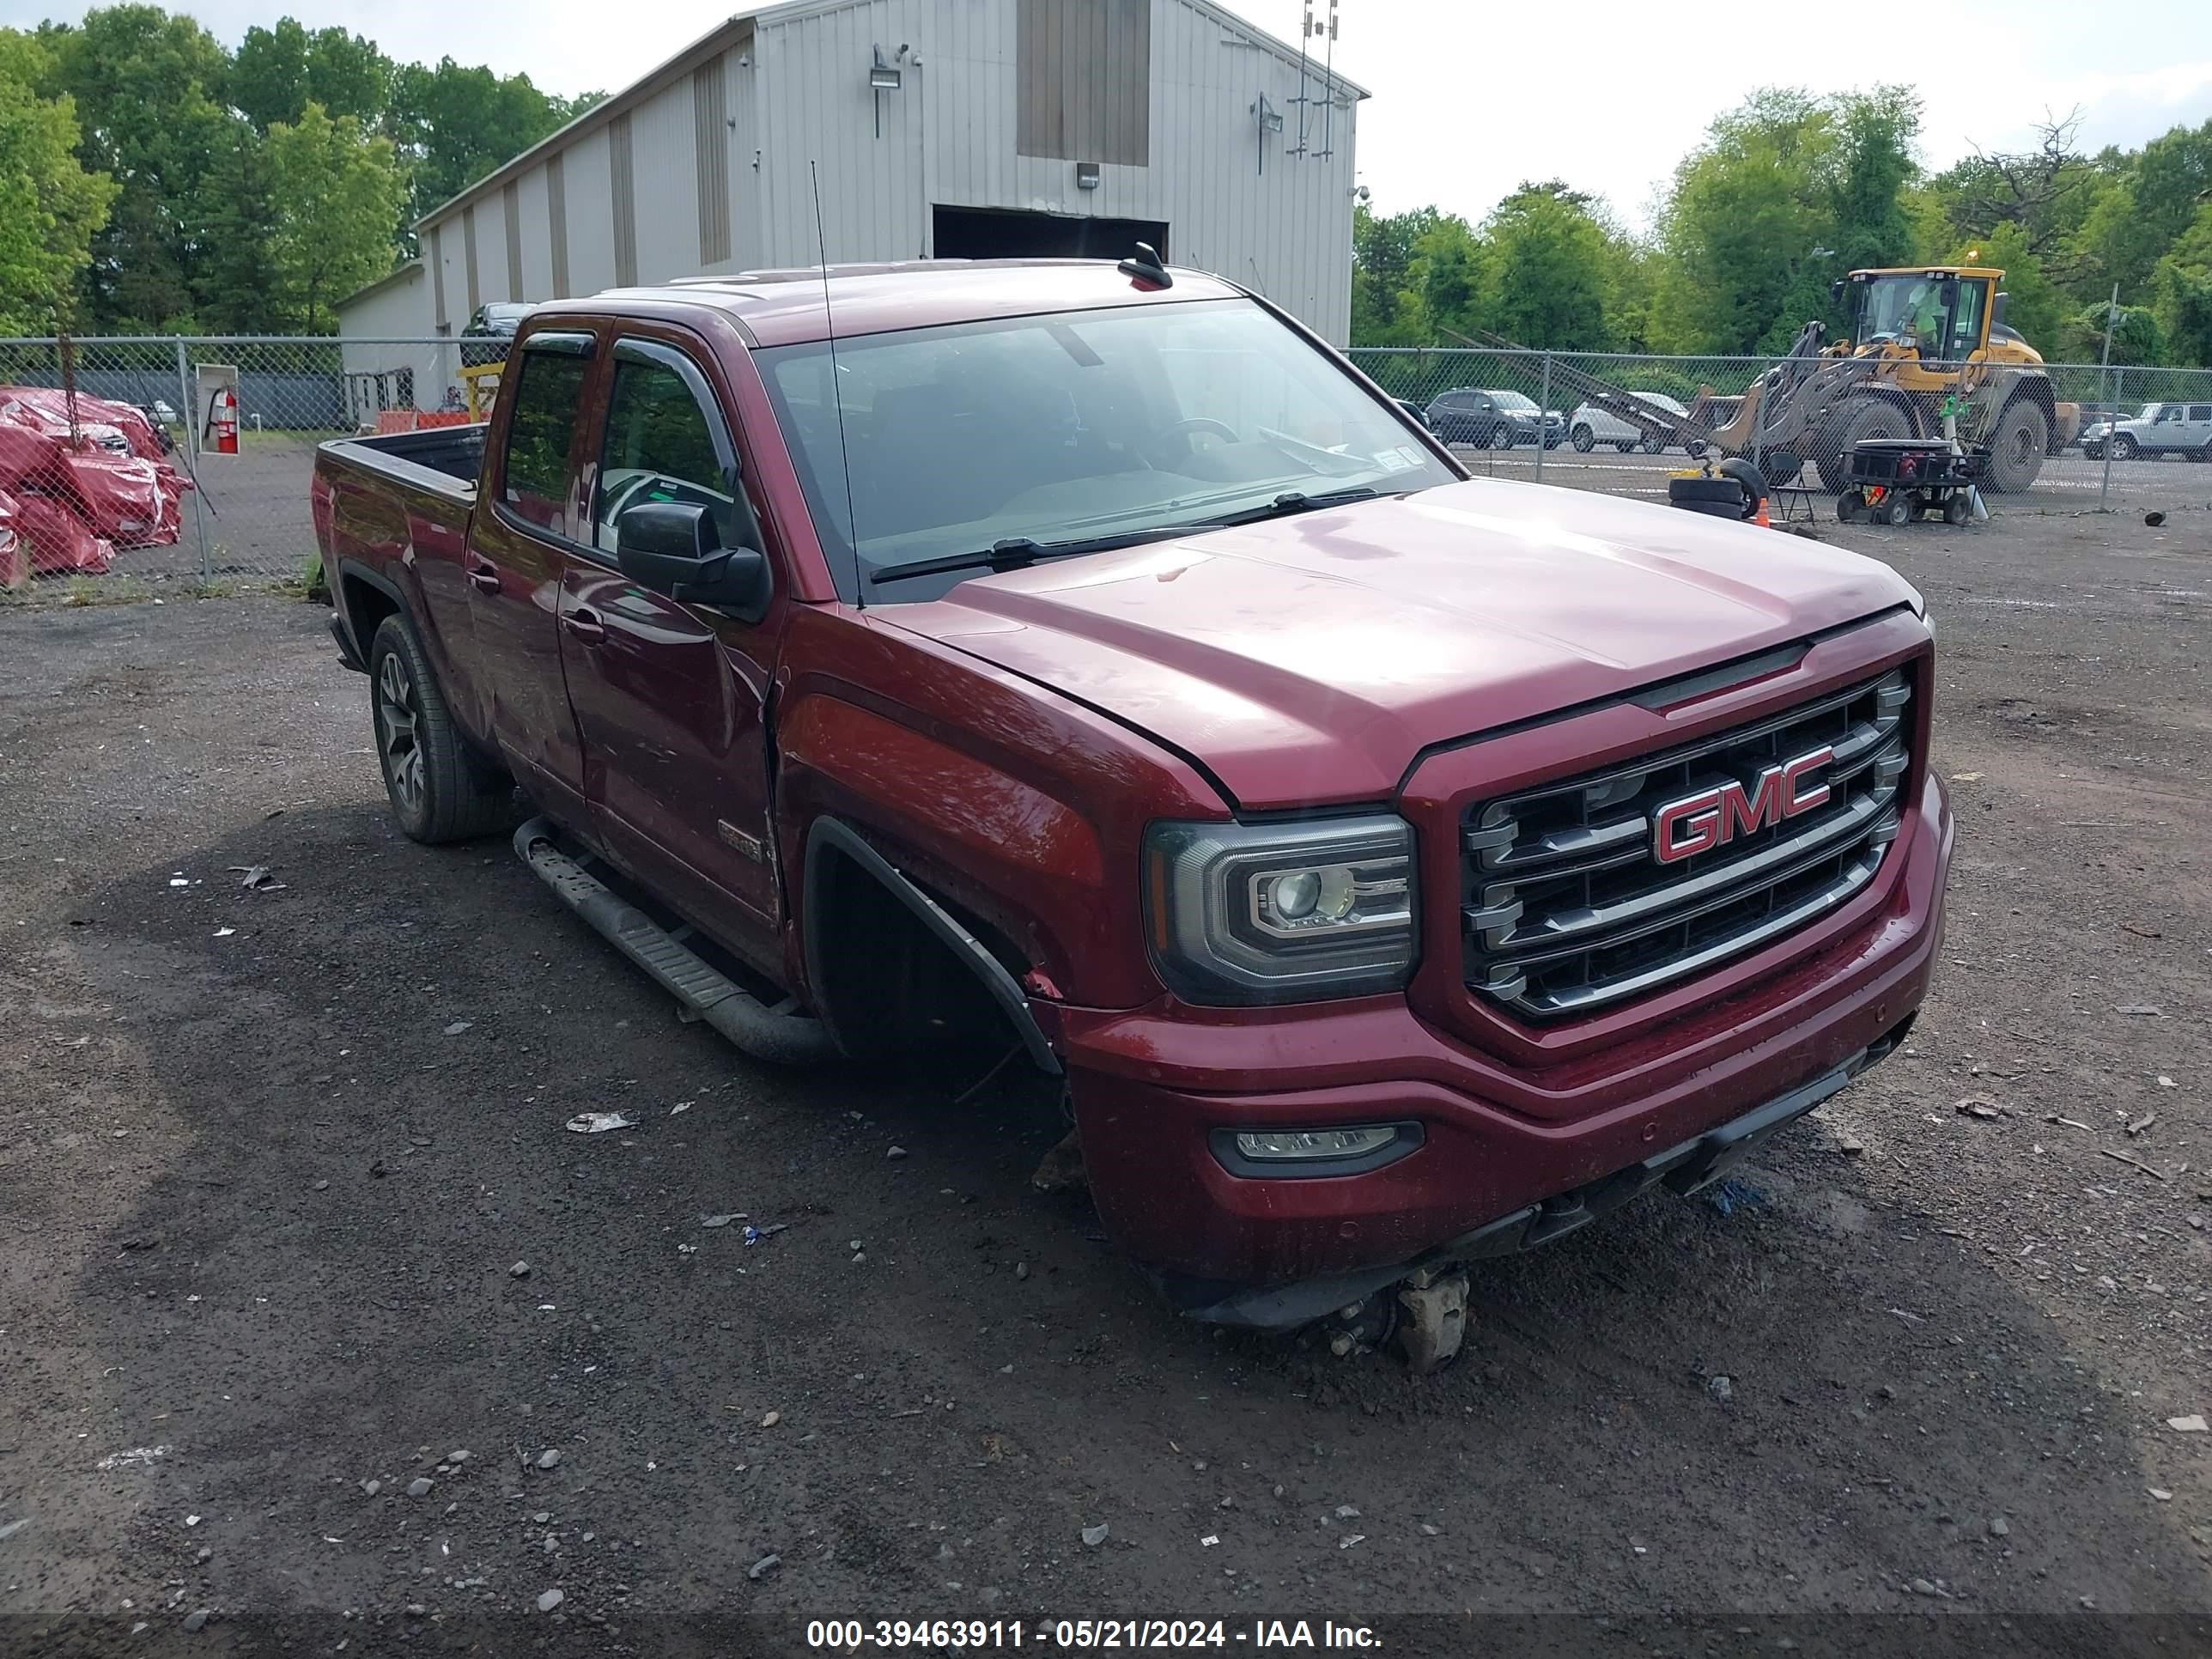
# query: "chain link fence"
x,y
123,470
1558,417
132,467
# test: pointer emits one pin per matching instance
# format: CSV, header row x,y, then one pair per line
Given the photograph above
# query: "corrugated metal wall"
x,y
1236,199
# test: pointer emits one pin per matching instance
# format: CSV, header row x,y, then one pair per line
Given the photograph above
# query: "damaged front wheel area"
x,y
1423,1319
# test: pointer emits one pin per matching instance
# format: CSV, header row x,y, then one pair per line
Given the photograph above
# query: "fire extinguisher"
x,y
223,421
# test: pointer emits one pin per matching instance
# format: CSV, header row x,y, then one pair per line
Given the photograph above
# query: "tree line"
x,y
154,180
1787,192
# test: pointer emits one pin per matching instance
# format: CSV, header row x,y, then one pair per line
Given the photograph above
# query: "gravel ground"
x,y
272,1162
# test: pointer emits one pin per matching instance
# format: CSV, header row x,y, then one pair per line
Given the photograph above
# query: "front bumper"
x,y
1151,1085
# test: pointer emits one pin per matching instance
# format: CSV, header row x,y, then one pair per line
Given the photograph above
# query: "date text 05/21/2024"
x,y
853,1635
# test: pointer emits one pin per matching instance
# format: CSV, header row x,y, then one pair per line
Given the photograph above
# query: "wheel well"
x,y
367,606
891,986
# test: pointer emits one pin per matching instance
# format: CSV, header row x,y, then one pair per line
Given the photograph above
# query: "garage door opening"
x,y
1007,233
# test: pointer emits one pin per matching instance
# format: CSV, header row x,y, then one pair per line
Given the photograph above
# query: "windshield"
x,y
1895,307
1512,400
1072,425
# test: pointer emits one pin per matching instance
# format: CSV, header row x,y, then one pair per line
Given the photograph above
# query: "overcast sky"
x,y
1473,96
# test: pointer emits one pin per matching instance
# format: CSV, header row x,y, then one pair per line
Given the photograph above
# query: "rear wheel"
x,y
1897,509
2016,450
1584,439
1855,423
1501,436
441,790
1958,508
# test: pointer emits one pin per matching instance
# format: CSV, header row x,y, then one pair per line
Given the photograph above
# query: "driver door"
x,y
669,698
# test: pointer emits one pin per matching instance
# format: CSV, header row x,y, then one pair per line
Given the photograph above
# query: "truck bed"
x,y
444,459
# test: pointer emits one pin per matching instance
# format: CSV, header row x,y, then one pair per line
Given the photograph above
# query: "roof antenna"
x,y
1144,265
837,395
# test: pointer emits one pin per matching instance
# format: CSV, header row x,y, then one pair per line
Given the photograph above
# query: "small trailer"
x,y
1894,481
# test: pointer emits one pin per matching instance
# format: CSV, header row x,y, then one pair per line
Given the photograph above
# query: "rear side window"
x,y
664,443
547,394
2200,411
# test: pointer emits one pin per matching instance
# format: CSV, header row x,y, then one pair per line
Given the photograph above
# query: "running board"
x,y
775,1035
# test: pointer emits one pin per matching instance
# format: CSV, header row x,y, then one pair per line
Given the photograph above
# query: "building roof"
x,y
728,33
412,268
786,307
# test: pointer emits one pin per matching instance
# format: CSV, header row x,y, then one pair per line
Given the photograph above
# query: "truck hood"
x,y
1309,659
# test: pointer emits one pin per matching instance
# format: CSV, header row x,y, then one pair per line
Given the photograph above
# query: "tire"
x,y
2017,449
1854,423
1652,446
440,788
1897,510
1851,507
2124,448
1752,480
1501,436
1957,508
1583,440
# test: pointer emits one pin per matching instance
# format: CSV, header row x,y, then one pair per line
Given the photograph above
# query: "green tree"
x,y
1549,261
277,72
1445,283
335,194
149,91
2137,336
1381,272
2182,291
238,280
1871,172
1739,226
2034,308
50,206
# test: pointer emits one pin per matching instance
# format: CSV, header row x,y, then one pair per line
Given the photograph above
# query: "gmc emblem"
x,y
1698,823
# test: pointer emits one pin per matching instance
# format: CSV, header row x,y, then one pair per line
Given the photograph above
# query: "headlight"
x,y
1244,912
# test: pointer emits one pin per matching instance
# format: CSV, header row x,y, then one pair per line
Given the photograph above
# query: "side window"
x,y
547,393
2200,413
665,443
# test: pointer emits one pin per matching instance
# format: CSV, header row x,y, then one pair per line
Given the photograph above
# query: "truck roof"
x,y
784,308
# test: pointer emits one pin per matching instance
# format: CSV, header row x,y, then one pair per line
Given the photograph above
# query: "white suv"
x,y
1591,426
2162,430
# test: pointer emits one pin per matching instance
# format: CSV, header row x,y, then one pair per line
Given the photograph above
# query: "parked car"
x,y
1388,869
1591,426
1488,418
2184,429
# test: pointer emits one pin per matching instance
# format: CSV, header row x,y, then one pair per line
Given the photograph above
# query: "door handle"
x,y
483,575
585,626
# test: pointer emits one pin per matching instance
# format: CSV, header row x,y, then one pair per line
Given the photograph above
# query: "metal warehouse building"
x,y
943,129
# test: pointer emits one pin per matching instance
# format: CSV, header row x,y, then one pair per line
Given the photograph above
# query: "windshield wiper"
x,y
1019,552
1296,500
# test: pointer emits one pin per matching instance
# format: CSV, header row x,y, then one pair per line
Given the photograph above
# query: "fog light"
x,y
1279,1146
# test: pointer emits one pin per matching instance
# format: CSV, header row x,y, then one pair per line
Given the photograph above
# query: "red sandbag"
x,y
15,556
119,496
61,545
52,406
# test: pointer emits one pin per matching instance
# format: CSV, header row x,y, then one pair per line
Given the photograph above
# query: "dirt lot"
x,y
270,1159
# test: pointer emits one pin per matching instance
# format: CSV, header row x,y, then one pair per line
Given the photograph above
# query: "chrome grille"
x,y
1567,908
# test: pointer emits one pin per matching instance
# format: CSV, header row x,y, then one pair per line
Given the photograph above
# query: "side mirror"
x,y
672,547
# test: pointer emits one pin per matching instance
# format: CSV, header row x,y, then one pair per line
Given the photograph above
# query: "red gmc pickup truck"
x,y
1397,868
